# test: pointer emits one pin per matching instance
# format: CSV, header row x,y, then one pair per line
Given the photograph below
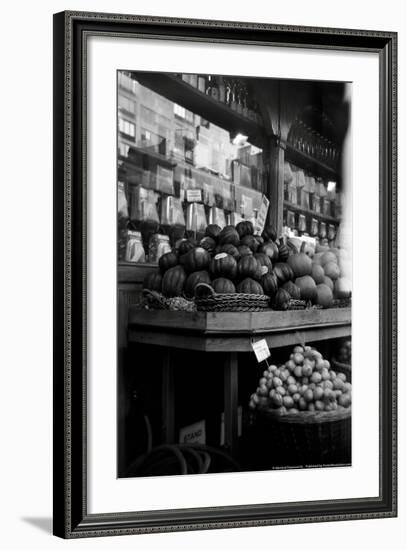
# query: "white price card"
x,y
261,350
194,195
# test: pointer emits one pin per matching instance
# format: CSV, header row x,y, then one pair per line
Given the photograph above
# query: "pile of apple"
x,y
305,382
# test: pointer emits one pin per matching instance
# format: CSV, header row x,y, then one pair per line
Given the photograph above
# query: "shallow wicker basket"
x,y
342,367
207,299
306,438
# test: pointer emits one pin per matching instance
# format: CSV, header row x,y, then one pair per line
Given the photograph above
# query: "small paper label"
x,y
264,270
261,350
194,433
220,255
194,195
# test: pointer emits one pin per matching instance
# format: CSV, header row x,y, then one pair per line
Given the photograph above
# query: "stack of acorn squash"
x,y
234,259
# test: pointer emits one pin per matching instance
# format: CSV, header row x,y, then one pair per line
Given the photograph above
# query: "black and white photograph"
x,y
234,274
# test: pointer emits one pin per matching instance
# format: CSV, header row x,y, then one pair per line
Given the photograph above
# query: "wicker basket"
x,y
342,367
207,299
305,438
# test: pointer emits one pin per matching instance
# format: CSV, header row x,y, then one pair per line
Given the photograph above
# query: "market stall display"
x,y
240,231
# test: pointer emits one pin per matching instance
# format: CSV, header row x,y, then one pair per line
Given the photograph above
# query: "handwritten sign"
x,y
261,350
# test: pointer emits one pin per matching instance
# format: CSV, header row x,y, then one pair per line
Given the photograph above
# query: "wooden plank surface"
x,y
231,323
238,342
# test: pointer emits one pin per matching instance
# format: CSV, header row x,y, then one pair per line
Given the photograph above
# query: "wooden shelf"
x,y
307,212
226,332
189,97
316,167
132,273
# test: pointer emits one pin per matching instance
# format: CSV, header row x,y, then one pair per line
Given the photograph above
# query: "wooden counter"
x,y
228,333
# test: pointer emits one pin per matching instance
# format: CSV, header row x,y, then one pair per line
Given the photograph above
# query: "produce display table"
x,y
228,333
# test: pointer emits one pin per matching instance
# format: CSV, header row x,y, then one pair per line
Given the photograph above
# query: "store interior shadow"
x,y
45,524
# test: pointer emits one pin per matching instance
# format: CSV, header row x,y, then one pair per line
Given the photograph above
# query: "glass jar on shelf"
x,y
322,230
302,223
158,246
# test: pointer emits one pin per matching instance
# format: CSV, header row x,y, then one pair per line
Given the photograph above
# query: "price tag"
x,y
194,195
261,350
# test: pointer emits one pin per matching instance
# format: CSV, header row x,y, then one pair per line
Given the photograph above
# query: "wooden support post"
x,y
276,186
231,402
168,398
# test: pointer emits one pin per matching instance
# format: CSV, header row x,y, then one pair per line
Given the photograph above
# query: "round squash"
x,y
264,260
283,272
270,249
269,283
332,270
260,271
208,243
173,281
307,287
229,235
185,246
259,239
212,230
221,285
229,249
244,250
317,273
281,300
153,281
247,267
168,260
329,282
300,263
342,288
223,265
269,233
196,259
317,258
283,252
249,286
245,227
293,290
251,242
327,257
323,296
193,279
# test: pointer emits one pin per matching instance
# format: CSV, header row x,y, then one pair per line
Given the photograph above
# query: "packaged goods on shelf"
x,y
305,199
290,192
217,217
172,212
134,247
122,205
314,227
302,223
247,201
288,173
241,174
223,194
143,204
165,180
172,218
322,230
291,223
196,219
158,246
331,232
326,207
234,218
